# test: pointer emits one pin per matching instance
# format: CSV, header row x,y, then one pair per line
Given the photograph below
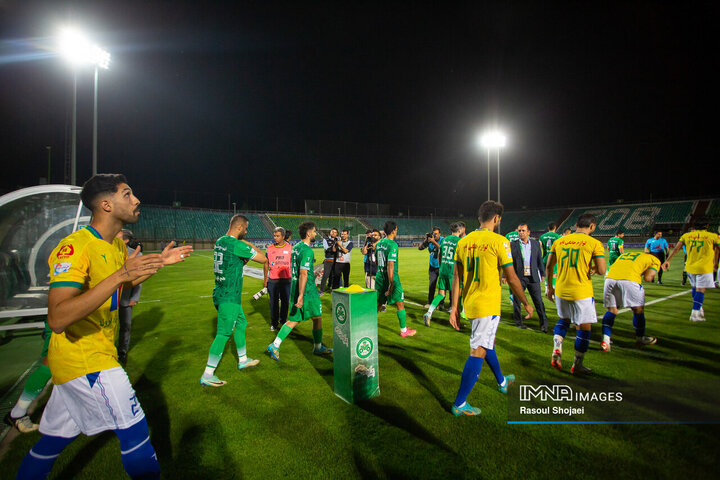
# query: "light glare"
x,y
78,50
493,139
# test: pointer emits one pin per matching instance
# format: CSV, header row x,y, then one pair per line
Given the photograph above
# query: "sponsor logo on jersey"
x,y
66,251
62,267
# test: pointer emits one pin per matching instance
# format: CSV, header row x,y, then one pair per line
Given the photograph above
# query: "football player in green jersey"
x,y
547,239
447,267
304,296
513,236
387,279
615,247
230,255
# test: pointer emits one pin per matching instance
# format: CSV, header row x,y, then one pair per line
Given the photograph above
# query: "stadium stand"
x,y
292,222
157,223
537,219
409,226
635,219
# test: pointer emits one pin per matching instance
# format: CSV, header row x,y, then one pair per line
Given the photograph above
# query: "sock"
x,y
41,457
33,386
138,454
240,339
436,301
582,341
470,373
607,322
692,294
402,318
282,334
698,299
561,328
639,324
684,277
216,353
492,361
317,338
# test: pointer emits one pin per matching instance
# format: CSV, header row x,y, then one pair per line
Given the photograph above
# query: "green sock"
x,y
284,332
317,337
240,339
436,301
33,386
402,318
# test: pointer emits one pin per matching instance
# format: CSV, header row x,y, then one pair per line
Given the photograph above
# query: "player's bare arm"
x,y
67,305
517,289
455,302
390,273
678,246
549,289
302,281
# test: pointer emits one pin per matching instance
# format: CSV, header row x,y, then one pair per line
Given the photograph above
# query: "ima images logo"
x,y
554,393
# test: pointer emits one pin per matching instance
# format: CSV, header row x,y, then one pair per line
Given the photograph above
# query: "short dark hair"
x,y
455,227
333,228
523,223
585,220
345,230
436,228
620,231
552,226
489,209
376,230
567,229
99,184
304,227
369,230
238,218
389,227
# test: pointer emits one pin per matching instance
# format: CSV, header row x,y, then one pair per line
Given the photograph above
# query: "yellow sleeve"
x,y
68,266
683,239
598,250
654,263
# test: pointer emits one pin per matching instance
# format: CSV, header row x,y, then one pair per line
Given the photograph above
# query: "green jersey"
x,y
513,236
614,245
302,258
230,256
546,240
386,251
447,255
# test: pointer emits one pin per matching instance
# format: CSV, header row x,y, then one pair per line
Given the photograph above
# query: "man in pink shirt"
x,y
277,278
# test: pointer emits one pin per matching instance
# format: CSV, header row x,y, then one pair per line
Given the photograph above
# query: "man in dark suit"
x,y
527,260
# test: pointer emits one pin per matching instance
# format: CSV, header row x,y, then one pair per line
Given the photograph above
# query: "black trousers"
x,y
342,270
660,256
534,289
433,274
279,292
125,324
329,279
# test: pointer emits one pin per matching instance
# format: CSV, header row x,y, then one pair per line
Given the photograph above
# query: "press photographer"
x,y
432,243
370,261
331,253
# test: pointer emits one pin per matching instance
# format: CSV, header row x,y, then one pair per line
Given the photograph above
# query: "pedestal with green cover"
x,y
355,355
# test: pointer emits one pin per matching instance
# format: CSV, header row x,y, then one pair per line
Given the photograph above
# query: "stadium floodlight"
x,y
493,140
77,50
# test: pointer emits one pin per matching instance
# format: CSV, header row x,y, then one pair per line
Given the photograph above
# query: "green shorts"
x,y
312,307
445,282
228,315
46,340
381,287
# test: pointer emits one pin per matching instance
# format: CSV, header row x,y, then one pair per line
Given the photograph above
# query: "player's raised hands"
x,y
172,254
136,267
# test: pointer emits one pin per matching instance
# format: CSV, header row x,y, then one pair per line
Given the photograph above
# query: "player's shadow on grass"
x,y
85,455
323,364
143,324
191,463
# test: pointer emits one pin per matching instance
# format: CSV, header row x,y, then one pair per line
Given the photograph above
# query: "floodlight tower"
x,y
493,140
78,51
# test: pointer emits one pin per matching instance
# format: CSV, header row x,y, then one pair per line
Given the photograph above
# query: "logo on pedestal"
x,y
341,313
364,347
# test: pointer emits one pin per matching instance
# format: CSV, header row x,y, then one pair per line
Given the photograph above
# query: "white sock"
x,y
403,330
277,342
20,408
504,382
317,346
463,404
606,339
209,371
430,310
242,359
558,340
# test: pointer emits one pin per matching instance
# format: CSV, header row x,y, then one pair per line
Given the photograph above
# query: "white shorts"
x,y
91,406
483,332
701,280
623,293
578,312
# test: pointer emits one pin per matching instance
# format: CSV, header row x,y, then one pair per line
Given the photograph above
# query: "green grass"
x,y
282,420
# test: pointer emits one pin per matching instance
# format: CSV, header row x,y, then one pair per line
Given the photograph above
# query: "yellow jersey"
x,y
631,266
573,254
82,260
482,254
700,246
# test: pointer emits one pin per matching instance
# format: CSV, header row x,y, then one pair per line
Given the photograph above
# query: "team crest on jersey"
x,y
66,251
62,267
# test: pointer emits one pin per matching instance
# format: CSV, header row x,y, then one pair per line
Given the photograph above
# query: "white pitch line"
x,y
658,300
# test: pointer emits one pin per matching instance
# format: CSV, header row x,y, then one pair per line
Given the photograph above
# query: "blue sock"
x,y
138,454
639,324
492,361
467,380
608,321
698,300
582,341
561,327
41,457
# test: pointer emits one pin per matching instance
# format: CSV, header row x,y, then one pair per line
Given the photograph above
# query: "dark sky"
x,y
372,102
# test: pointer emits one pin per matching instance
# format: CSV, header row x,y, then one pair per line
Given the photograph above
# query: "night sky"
x,y
371,102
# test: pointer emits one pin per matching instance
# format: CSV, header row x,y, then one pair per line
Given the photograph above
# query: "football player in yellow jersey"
x,y
702,261
623,288
578,256
92,392
479,257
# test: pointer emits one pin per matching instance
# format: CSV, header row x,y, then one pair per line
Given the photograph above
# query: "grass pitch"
x,y
282,420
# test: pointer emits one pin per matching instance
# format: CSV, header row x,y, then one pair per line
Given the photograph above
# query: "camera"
x,y
331,242
369,238
134,244
428,236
